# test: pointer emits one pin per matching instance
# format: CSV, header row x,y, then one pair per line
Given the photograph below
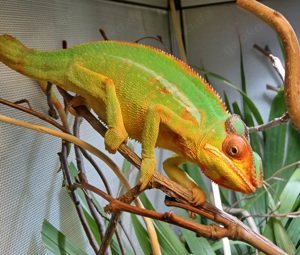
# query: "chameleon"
x,y
148,95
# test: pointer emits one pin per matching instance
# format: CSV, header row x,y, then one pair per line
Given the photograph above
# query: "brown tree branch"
x,y
84,223
53,101
211,232
34,113
292,53
273,123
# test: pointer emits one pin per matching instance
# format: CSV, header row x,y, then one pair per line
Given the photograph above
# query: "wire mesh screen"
x,y
30,184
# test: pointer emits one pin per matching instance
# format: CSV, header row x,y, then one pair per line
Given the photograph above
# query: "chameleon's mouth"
x,y
230,176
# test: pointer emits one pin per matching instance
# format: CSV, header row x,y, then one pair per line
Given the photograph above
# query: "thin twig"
x,y
82,177
56,103
129,238
246,215
275,61
273,123
87,230
281,170
270,87
24,101
119,239
52,112
98,170
117,205
34,113
103,34
111,228
274,215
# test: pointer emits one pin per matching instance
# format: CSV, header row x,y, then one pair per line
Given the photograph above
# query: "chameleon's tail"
x,y
36,64
12,52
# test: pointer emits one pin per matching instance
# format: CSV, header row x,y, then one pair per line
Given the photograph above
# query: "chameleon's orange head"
x,y
230,161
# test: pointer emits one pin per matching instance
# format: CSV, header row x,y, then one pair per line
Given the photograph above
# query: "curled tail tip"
x,y
12,51
7,39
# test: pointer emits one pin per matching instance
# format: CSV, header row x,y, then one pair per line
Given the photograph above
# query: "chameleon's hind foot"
x,y
147,170
114,137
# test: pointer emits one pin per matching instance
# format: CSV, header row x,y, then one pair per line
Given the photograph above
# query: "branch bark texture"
x,y
292,53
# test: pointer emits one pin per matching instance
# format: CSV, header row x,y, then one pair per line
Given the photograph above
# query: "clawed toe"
x,y
114,138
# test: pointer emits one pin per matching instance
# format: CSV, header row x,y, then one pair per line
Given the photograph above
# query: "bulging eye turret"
x,y
235,146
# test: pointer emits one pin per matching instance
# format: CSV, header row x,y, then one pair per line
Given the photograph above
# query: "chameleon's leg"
x,y
156,117
171,167
101,88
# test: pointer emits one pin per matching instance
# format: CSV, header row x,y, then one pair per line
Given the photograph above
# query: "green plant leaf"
x,y
226,101
141,234
269,230
282,238
280,235
246,99
275,139
169,242
196,245
126,164
293,230
256,202
236,109
93,226
254,137
242,70
57,242
290,194
219,245
293,148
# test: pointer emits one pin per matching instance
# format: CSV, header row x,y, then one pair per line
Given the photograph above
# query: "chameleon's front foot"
x,y
113,138
198,196
147,170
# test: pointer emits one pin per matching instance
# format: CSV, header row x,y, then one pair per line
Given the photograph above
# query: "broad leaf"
x,y
57,242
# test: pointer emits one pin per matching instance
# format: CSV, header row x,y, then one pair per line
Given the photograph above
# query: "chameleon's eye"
x,y
235,146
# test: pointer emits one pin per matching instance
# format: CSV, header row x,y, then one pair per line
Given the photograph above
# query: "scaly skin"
x,y
154,98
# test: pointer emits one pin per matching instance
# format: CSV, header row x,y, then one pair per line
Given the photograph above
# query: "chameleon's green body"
x,y
150,96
